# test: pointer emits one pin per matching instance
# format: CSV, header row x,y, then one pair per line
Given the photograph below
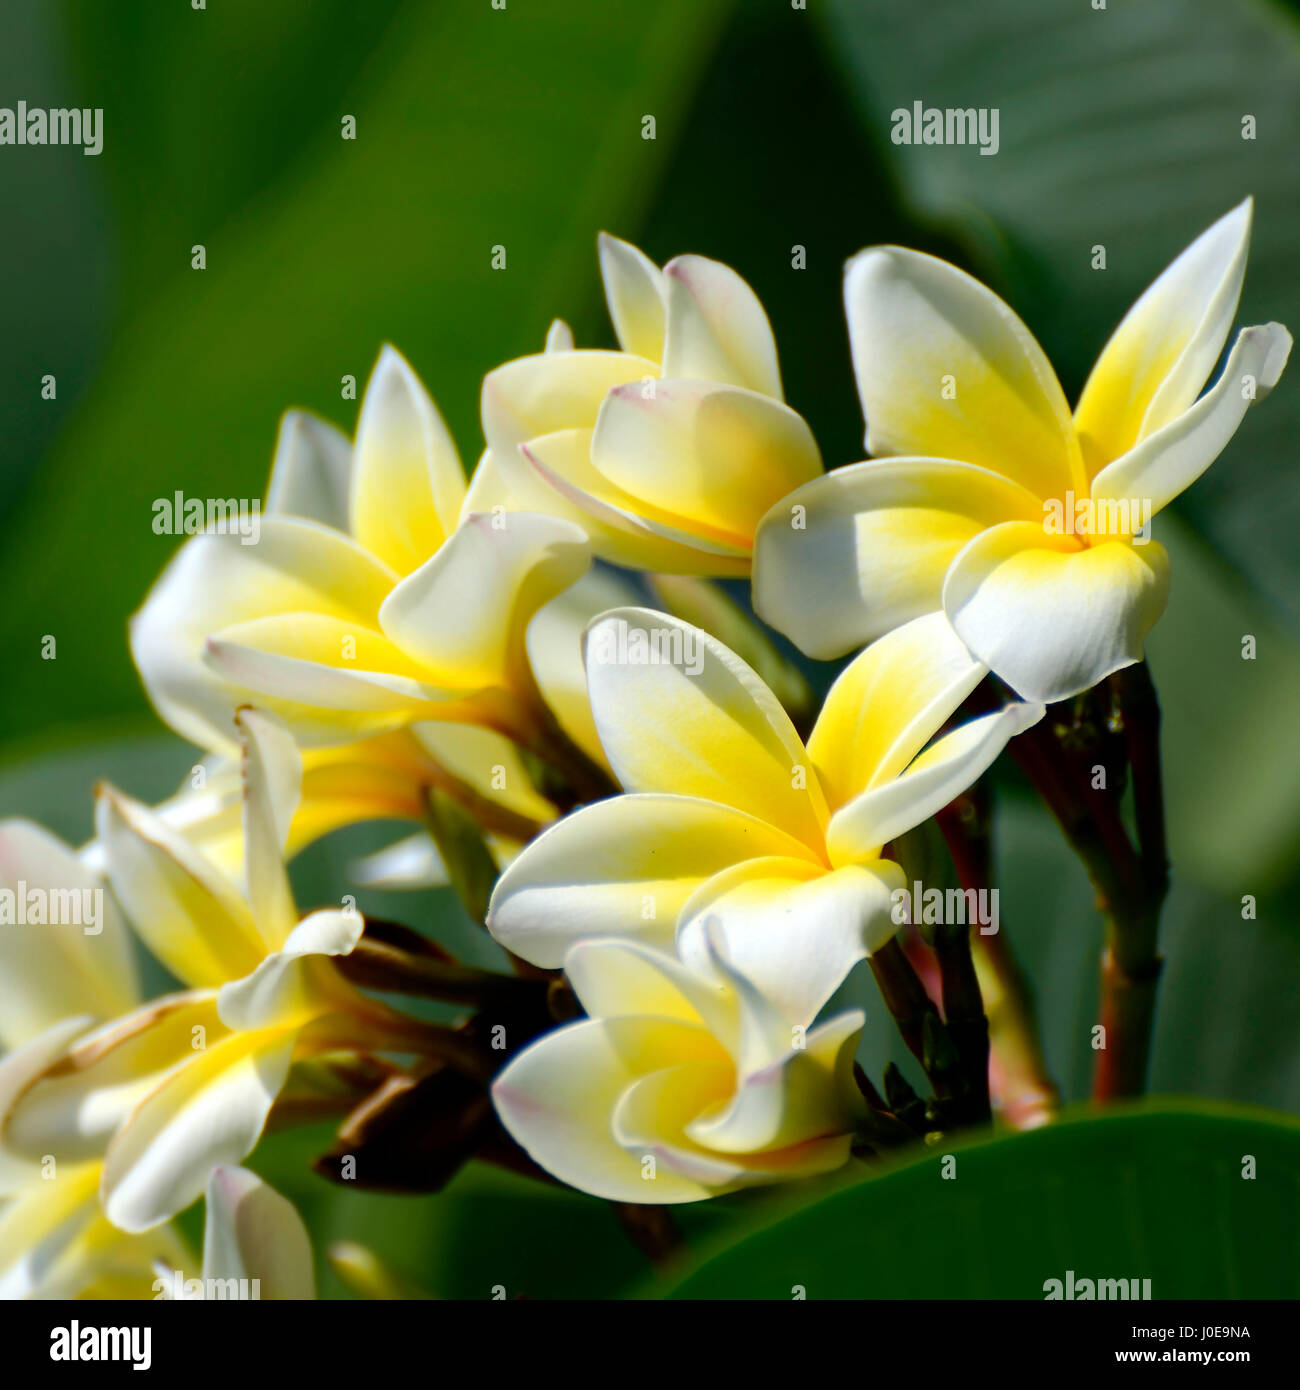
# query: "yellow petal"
x,y
216,583
547,392
1164,350
188,914
888,703
954,763
679,712
623,529
407,484
946,369
713,457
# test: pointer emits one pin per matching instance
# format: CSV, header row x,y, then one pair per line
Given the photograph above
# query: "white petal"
x,y
58,970
215,583
559,337
252,1232
636,295
792,929
272,776
716,328
942,772
557,1098
1049,617
1171,459
210,1111
312,472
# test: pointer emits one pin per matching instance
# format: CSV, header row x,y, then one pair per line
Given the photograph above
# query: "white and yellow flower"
x,y
728,819
184,1083
56,980
684,1082
351,622
988,500
668,452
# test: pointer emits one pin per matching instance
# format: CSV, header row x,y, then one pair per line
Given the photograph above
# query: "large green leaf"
x,y
475,127
1120,127
1160,1195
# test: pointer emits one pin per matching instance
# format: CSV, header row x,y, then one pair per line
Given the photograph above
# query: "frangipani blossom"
x,y
728,818
56,980
684,1082
667,453
989,501
349,624
186,1082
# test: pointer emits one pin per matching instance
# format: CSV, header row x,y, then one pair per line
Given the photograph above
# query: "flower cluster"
x,y
623,775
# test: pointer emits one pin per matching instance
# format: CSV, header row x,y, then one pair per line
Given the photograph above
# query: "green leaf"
x,y
1155,1194
475,128
1120,128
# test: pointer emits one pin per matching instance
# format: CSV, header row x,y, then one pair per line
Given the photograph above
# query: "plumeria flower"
x,y
352,620
186,1082
729,819
1027,526
255,1245
56,980
683,1082
668,452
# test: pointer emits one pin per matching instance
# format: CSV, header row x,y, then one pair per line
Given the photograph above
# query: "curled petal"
x,y
942,772
1052,618
1164,350
888,703
1170,460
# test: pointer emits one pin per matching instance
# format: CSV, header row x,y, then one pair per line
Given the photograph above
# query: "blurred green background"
x,y
523,127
